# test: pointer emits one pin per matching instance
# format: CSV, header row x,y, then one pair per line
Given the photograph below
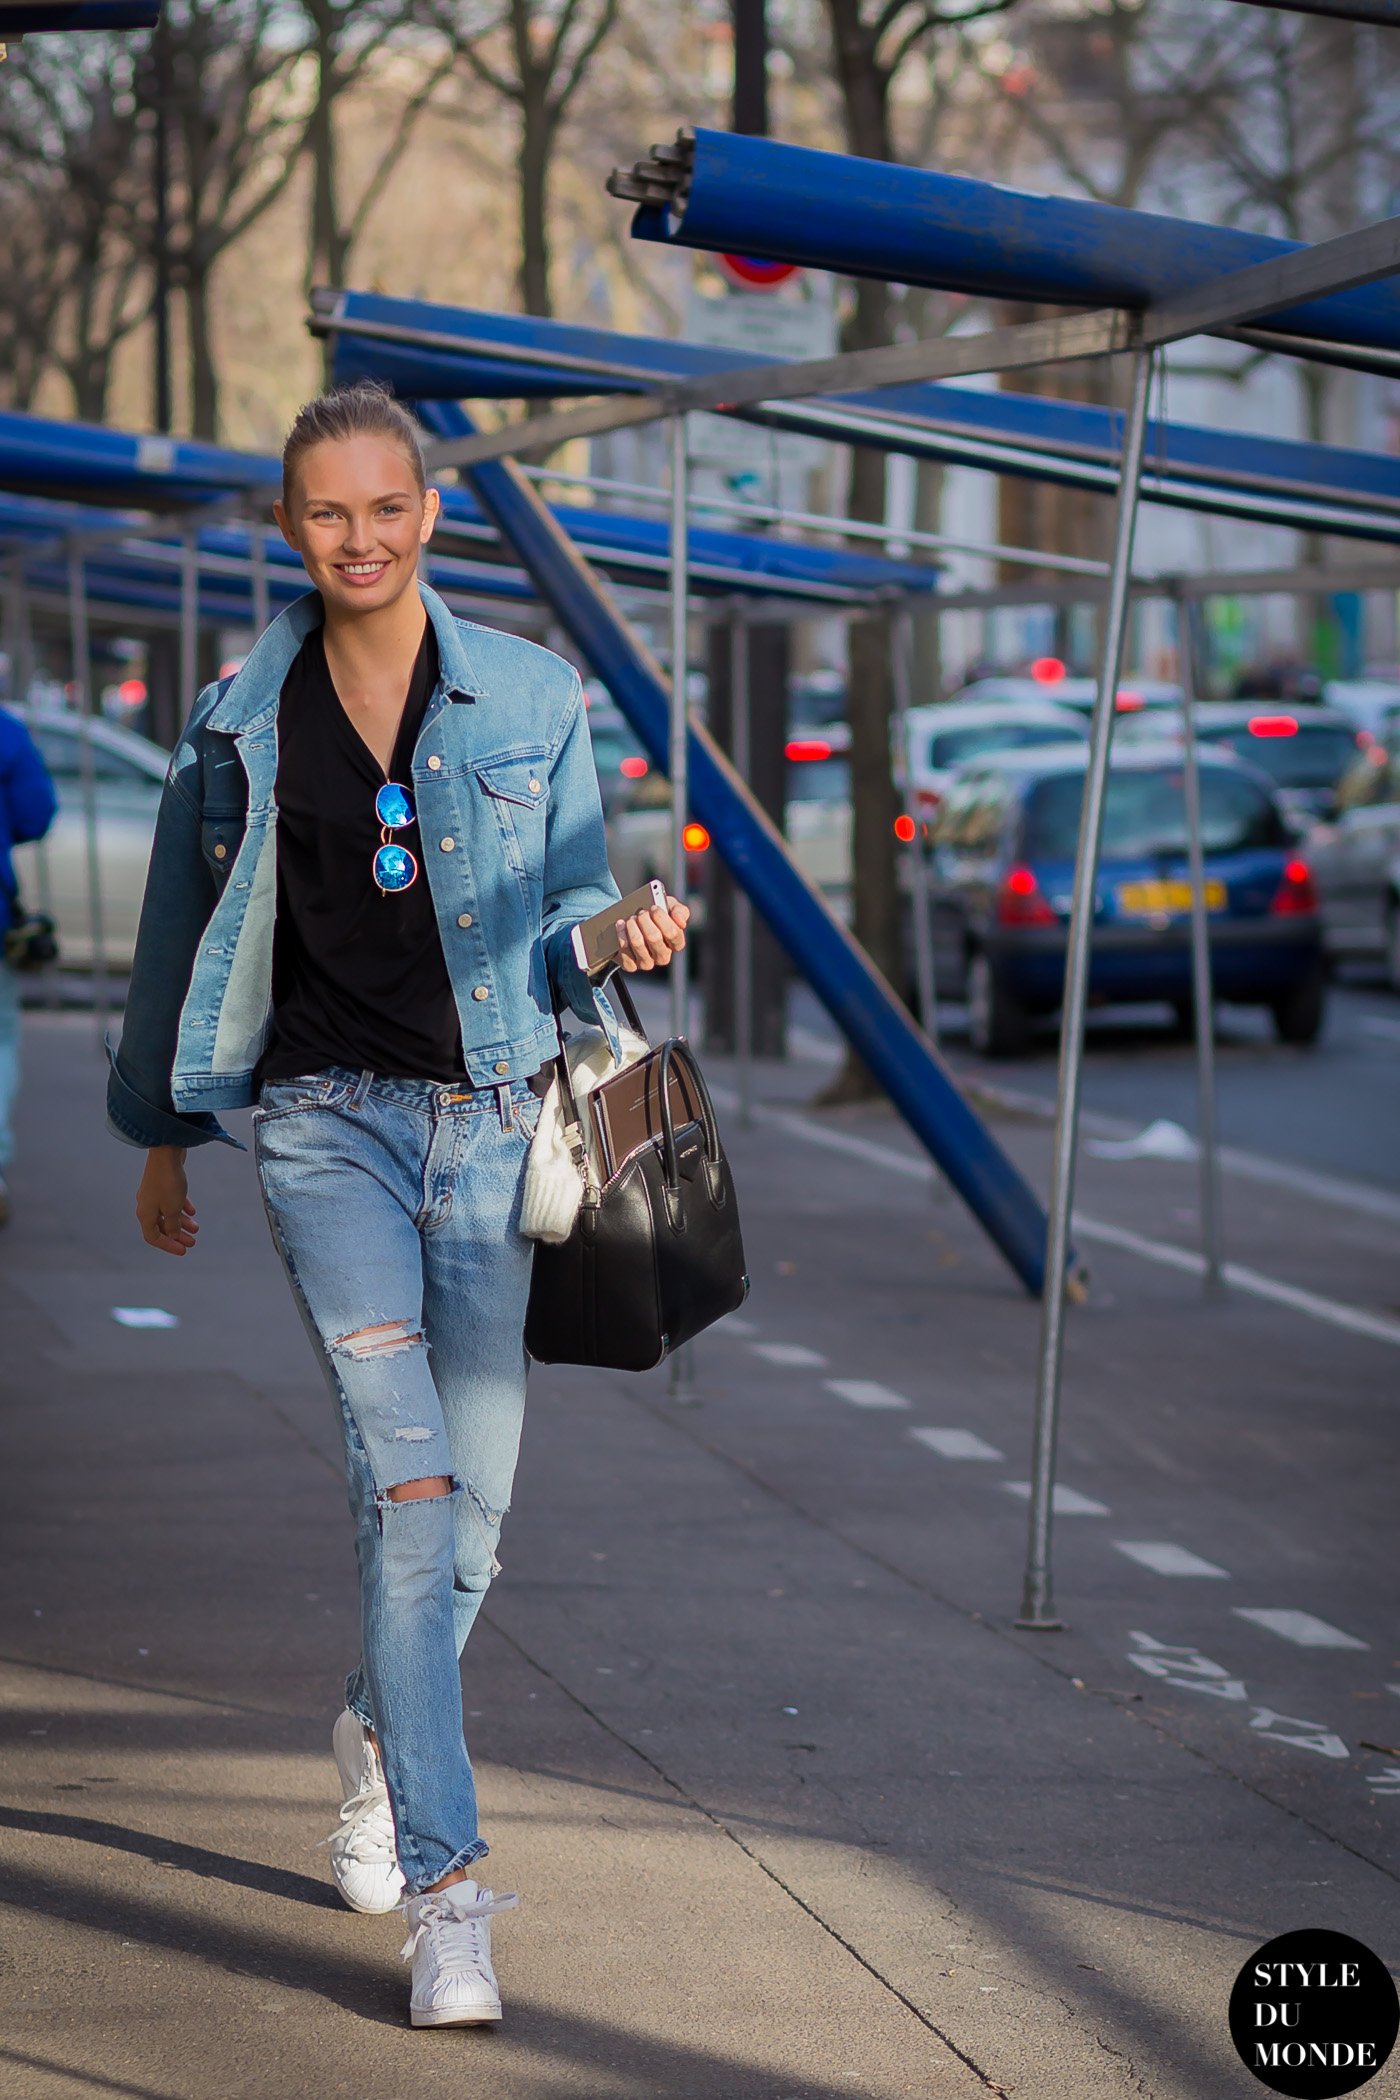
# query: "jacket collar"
x,y
252,696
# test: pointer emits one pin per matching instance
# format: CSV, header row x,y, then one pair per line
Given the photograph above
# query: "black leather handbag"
x,y
655,1254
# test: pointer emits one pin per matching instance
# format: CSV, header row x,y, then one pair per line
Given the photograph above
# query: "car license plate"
x,y
1151,899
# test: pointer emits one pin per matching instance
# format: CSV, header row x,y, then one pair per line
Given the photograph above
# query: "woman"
x,y
373,846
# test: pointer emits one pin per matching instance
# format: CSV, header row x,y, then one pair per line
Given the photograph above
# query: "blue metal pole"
x,y
854,994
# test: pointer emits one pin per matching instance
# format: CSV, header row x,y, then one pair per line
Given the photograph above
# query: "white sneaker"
x,y
364,1858
449,1944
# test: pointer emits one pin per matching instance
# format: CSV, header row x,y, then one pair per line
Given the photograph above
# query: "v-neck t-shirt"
x,y
359,978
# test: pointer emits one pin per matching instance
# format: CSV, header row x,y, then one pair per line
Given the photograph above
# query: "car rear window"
x,y
819,779
953,747
1308,755
1146,815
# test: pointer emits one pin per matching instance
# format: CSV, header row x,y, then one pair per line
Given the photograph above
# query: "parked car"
x,y
817,822
617,754
129,772
1355,858
1304,750
1060,690
945,737
1003,867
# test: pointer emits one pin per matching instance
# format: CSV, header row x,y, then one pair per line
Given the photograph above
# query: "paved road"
x,y
1333,1109
795,1810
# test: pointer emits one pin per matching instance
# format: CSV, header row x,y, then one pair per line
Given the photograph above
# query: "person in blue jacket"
x,y
27,806
374,844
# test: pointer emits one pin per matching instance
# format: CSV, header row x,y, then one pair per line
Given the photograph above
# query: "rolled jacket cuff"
x,y
136,1121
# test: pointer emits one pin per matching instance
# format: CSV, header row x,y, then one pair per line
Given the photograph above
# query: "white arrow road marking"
x,y
1166,1559
1300,1627
1299,1735
1186,1668
864,1392
790,1353
1068,1502
955,1443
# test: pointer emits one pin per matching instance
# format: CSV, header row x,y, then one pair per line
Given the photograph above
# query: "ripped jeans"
x,y
395,1206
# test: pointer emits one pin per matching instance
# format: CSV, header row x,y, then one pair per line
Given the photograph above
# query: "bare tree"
x,y
871,40
71,154
535,55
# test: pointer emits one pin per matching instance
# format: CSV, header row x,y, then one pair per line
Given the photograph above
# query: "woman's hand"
x,y
163,1208
649,939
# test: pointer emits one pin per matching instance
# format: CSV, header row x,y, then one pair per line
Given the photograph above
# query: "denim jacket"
x,y
514,854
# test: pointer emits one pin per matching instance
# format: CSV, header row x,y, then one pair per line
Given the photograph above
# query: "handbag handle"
x,y
675,1047
573,1122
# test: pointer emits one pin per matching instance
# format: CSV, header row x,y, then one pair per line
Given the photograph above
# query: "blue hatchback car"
x,y
1002,868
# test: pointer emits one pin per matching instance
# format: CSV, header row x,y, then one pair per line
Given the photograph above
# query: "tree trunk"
x,y
536,147
204,376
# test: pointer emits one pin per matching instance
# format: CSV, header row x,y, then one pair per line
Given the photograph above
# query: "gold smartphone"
x,y
595,939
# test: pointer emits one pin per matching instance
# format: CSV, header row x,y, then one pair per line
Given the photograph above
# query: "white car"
x,y
946,736
129,772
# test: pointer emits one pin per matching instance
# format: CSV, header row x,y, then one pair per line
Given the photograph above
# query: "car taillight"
x,y
695,838
1295,893
926,800
1021,901
904,828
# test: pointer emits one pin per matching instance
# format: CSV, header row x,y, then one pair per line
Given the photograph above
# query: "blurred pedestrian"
x,y
384,989
27,806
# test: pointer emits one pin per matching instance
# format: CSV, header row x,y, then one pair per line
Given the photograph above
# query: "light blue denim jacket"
x,y
512,841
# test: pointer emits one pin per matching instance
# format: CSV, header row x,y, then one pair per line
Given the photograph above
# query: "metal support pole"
x,y
916,858
1203,997
82,683
679,751
189,623
743,908
1037,1603
682,1374
257,551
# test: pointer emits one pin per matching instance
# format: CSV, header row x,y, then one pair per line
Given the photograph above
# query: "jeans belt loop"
x,y
503,1102
362,1087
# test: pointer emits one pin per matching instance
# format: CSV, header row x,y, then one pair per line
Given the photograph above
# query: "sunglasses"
x,y
395,868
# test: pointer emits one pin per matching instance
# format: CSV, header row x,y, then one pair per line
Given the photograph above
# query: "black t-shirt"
x,y
358,976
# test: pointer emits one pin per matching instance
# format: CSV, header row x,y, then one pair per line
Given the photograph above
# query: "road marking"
x,y
790,1353
1299,1735
736,1324
955,1443
1166,1559
864,1392
918,1167
143,1316
1300,1627
1376,1024
1386,1781
1068,1501
1186,1668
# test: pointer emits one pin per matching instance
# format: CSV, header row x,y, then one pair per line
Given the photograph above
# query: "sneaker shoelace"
x,y
368,1833
459,1957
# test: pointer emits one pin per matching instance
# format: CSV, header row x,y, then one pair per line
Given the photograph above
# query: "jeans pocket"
x,y
294,1097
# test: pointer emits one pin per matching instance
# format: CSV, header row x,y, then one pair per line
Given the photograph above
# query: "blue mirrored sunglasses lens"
x,y
394,867
393,806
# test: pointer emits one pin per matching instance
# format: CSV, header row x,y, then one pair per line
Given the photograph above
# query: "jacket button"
x,y
481,992
503,1068
448,844
221,852
434,763
534,787
464,918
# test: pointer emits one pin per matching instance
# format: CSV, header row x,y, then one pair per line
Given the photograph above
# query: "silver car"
x,y
128,772
1355,862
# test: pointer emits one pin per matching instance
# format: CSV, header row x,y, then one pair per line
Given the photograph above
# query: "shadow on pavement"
x,y
171,1852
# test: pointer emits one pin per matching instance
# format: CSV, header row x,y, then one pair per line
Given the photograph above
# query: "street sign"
x,y
789,328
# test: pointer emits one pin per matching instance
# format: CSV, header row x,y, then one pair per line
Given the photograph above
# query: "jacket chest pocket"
x,y
516,790
219,840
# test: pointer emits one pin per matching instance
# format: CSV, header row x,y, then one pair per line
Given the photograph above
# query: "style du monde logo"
x,y
1314,2014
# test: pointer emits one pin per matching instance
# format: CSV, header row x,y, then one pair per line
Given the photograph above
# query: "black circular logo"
x,y
1314,2014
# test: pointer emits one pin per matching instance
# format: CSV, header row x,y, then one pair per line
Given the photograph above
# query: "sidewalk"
x,y
794,1811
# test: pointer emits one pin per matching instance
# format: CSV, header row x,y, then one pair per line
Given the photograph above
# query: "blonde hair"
x,y
364,408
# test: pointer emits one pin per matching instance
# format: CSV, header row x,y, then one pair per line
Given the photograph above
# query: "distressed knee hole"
x,y
436,1487
389,1338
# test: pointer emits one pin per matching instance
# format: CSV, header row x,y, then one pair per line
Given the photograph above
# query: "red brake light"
x,y
927,799
695,838
1273,725
1021,902
1129,703
802,747
1047,670
1296,894
132,692
904,828
633,768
